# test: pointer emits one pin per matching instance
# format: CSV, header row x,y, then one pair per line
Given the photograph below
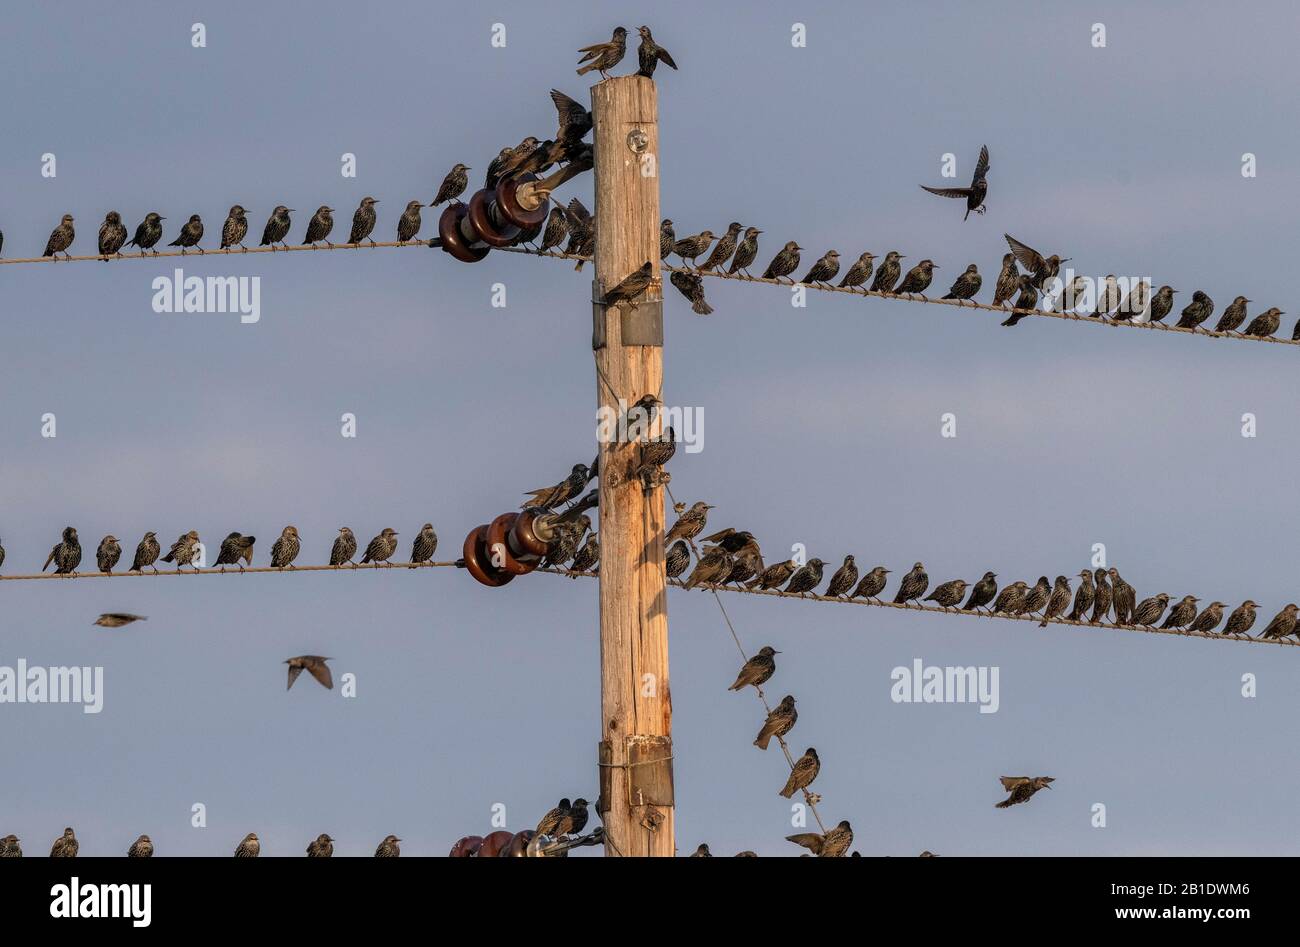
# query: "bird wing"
x,y
948,191
982,166
294,671
1029,258
321,671
1011,782
664,58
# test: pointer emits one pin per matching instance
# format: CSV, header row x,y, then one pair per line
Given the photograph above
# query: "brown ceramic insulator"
x,y
479,561
480,219
498,546
494,843
518,845
453,241
509,208
467,847
524,541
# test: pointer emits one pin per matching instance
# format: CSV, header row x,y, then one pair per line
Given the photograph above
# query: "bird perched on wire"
x,y
859,272
574,118
1197,311
723,250
1162,303
982,593
1242,618
234,548
582,232
322,847
824,270
588,556
1071,295
61,238
1123,597
631,286
454,184
845,578
887,272
148,233
285,549
118,619
577,818
107,554
913,585
10,847
667,237
702,851
569,533
557,228
408,225
833,844
1008,280
146,553
1149,610
688,248
1233,316
948,594
713,567
690,523
774,575
1083,596
784,263
249,847
382,547
66,845
509,160
1282,625
604,56
548,498
1026,302
778,723
803,773
1208,619
277,227
1182,614
345,547
1022,788
973,195
1057,602
746,250
807,578
363,221
676,559
966,285
424,545
1011,600
654,454
112,234
313,664
650,54
1037,597
320,226
1266,323
757,670
141,848
66,554
1102,597
1108,299
551,822
190,235
871,584
1040,268
495,165
235,228
692,287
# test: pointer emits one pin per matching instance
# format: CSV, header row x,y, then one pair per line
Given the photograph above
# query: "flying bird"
x,y
118,619
1040,268
973,195
313,664
1022,788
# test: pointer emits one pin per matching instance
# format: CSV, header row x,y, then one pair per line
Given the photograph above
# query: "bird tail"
x,y
1043,623
1005,803
586,69
763,740
899,599
702,308
787,792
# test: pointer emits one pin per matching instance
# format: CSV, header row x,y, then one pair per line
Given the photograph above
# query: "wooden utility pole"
x,y
635,751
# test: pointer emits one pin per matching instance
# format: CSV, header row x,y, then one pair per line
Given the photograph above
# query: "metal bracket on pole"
x,y
641,323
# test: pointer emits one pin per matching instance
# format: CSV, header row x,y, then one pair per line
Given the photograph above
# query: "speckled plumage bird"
x,y
66,554
277,227
1008,280
913,585
586,559
966,285
1266,323
690,523
1057,602
66,845
363,221
807,578
844,579
1196,311
859,272
676,559
784,263
108,553
548,498
322,847
604,56
757,670
775,575
1149,610
1110,299
575,820
574,118
250,847
1037,597
564,547
1072,295
688,248
382,547
649,54
146,553
1242,618
1083,597
1026,302
1011,600
1102,596
408,225
948,594
1282,625
424,545
2,555
713,567
973,195
1162,303
313,664
141,848
148,233
654,454
112,234
557,228
236,549
1123,597
582,232
667,237
917,280
190,235
872,584
746,251
692,287
701,851
495,165
1208,619
803,773
1181,615
833,844
389,848
824,270
778,723
10,847
1022,788
1233,316
285,549
550,823
344,548
723,249
631,286
887,272
235,229
982,593
1040,268
454,184
118,619
61,238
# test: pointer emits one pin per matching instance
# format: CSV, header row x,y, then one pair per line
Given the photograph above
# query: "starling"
x,y
982,593
519,155
948,594
859,272
315,665
382,547
66,555
1209,618
824,270
320,226
1149,610
1011,600
388,848
807,578
779,722
141,848
1295,333
691,523
190,235
1181,615
146,554
576,820
1108,300
692,287
234,548
1283,624
1123,597
973,195
323,847
235,228
277,227
563,548
702,851
9,847
723,250
496,165
745,252
1198,310
1242,618
913,585
775,575
1233,316
575,120
966,285
285,549
887,273
548,498
582,233
148,233
2,555
688,248
631,286
1083,597
557,228
917,279
1058,602
250,847
1008,280
454,184
872,584
1041,269
118,619
1266,323
734,540
803,773
745,565
363,221
836,841
713,567
408,225
112,234
1026,302
61,238
784,263
676,559
66,845
424,545
1071,295
845,578
107,554
1101,600
1036,598
345,547
604,56
757,670
1162,303
551,822
654,454
588,556
1022,788
667,237
649,54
